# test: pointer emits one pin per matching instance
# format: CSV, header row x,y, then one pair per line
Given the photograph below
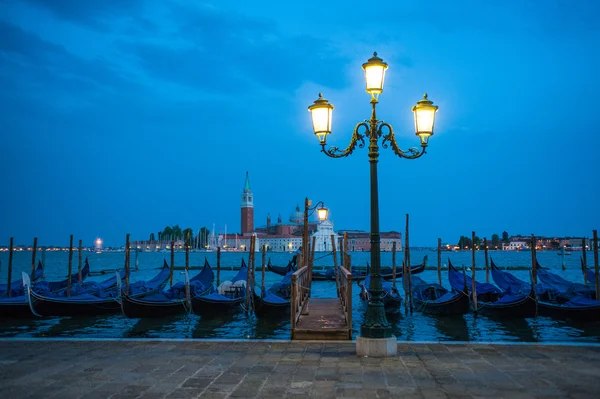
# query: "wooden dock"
x,y
321,318
325,320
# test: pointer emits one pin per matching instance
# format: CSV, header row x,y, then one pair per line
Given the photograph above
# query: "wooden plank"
x,y
326,320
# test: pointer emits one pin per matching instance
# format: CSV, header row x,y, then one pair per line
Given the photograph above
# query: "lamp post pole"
x,y
375,325
322,213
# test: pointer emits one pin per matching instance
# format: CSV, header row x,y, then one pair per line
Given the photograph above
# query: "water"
x,y
407,327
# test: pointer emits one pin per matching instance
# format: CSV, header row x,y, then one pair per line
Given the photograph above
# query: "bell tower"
x,y
247,208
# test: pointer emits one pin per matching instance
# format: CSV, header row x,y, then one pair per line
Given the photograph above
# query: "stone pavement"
x,y
216,369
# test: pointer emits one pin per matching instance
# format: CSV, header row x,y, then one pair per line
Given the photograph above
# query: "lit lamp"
x,y
321,112
375,337
424,113
374,75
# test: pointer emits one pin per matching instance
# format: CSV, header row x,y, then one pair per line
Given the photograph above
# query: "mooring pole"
x,y
172,262
584,261
596,263
127,266
70,265
473,271
264,265
79,255
187,254
408,267
439,259
219,265
487,264
394,263
533,260
33,253
10,259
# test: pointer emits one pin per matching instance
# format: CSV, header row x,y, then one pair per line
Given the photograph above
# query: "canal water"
x,y
406,326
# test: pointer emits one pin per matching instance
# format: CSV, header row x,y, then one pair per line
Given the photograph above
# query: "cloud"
x,y
216,50
96,14
40,70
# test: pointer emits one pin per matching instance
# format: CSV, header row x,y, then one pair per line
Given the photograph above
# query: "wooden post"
x,y
79,261
10,259
487,264
584,261
312,255
33,253
474,283
250,281
335,266
346,251
219,264
249,277
439,259
187,254
44,258
394,263
562,258
293,305
533,261
172,262
70,265
405,268
137,261
596,263
127,270
299,261
410,296
264,265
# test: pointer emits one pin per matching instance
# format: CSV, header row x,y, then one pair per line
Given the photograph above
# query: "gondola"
x,y
550,303
565,287
391,297
173,301
17,285
17,306
434,298
357,274
275,301
491,300
56,286
82,302
226,298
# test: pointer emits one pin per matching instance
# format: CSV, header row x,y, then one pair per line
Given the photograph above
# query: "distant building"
x,y
361,240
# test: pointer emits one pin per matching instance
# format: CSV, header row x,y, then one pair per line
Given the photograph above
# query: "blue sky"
x,y
126,116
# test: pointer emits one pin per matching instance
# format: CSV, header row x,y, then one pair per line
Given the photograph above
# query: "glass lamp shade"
x,y
321,112
424,113
374,75
322,213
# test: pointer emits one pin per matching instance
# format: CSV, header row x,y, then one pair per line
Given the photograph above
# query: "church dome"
x,y
297,216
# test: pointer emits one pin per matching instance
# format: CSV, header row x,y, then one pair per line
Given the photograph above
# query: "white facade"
x,y
323,236
515,246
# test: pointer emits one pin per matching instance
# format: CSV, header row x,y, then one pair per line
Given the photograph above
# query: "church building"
x,y
286,236
282,236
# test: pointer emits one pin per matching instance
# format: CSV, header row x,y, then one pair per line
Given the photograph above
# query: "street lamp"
x,y
375,324
322,213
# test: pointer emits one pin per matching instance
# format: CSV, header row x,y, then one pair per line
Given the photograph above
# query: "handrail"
x,y
346,297
300,295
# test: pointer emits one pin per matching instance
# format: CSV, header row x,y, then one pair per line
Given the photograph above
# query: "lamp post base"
x,y
377,347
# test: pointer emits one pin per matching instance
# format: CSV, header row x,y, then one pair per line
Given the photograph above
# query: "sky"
x,y
124,117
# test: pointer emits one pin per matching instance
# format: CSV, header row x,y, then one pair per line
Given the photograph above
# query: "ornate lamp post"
x,y
376,337
322,213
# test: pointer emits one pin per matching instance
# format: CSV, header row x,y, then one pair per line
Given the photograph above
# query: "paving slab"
x,y
153,369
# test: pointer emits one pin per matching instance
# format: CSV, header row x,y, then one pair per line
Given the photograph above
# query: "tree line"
x,y
174,233
495,242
